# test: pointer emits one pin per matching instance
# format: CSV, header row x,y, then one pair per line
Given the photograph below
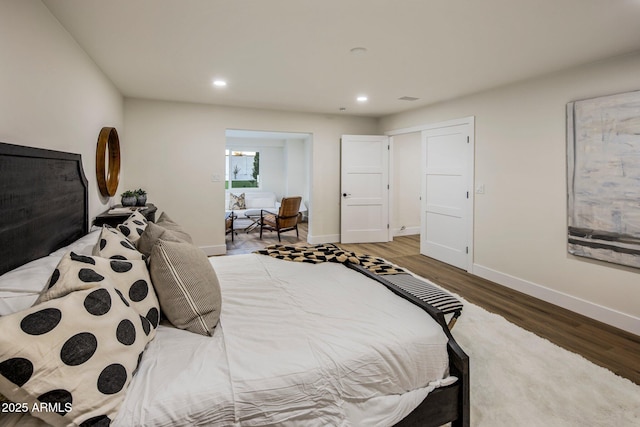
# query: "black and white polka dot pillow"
x,y
114,245
134,226
130,278
76,355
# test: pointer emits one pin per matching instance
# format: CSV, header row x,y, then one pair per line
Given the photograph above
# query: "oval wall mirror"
x,y
108,166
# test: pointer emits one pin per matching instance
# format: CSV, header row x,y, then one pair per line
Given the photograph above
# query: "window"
x,y
242,169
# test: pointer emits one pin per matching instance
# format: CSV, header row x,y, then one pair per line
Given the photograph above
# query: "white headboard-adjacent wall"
x,y
53,95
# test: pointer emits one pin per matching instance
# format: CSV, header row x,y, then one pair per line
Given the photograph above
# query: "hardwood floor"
x,y
245,243
612,348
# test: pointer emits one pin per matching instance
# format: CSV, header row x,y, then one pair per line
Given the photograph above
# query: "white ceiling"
x,y
295,54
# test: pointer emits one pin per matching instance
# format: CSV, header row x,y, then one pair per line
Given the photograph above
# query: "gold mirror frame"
x,y
108,179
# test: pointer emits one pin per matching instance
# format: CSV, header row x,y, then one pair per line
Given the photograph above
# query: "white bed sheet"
x,y
182,380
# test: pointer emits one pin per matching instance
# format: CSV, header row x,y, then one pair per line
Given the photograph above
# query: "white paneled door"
x,y
447,199
364,212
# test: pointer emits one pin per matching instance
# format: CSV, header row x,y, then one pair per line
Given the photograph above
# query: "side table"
x,y
113,219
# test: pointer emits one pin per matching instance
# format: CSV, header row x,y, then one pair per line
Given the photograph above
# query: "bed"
x,y
291,344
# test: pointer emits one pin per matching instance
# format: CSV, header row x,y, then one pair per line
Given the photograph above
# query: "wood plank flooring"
x,y
612,348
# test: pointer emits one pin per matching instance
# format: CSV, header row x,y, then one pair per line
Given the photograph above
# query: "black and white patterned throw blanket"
x,y
396,276
329,253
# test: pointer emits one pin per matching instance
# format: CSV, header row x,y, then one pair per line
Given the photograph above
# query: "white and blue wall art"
x,y
603,177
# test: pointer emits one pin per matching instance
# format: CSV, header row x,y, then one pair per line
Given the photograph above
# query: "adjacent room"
x,y
319,213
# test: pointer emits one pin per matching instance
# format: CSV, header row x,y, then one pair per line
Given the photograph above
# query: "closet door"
x,y
447,199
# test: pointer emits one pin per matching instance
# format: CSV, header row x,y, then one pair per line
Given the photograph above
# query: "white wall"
x,y
52,95
521,221
296,165
175,148
406,164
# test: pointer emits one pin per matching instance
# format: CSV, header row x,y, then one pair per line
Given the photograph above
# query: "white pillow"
x,y
82,246
20,288
30,277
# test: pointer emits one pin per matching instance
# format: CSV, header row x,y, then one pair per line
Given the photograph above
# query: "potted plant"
x,y
128,198
141,197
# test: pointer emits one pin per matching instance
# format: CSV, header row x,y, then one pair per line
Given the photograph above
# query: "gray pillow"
x,y
166,222
152,234
187,286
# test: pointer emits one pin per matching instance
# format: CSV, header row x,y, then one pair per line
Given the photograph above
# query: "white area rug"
x,y
520,379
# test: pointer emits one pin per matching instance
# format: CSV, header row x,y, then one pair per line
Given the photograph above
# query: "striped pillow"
x,y
187,286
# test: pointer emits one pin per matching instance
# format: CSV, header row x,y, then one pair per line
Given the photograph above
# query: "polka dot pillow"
x,y
113,244
130,278
134,226
76,355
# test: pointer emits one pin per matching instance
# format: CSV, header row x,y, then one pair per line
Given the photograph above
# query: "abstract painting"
x,y
603,177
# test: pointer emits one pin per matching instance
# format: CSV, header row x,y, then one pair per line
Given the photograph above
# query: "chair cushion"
x,y
269,220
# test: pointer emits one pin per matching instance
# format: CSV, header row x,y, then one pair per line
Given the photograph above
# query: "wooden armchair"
x,y
285,220
228,224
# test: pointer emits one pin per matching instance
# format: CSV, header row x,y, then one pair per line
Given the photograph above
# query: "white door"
x,y
364,211
447,199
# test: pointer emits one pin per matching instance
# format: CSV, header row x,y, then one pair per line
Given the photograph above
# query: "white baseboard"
x,y
214,250
408,231
328,238
606,315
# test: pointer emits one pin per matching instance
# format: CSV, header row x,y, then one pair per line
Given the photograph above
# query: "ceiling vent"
x,y
408,98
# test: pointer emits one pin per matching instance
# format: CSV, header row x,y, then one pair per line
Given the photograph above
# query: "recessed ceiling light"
x,y
362,98
219,83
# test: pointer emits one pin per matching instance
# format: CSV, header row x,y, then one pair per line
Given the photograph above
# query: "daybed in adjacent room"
x,y
246,340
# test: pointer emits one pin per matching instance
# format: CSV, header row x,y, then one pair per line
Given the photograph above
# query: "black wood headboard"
x,y
43,203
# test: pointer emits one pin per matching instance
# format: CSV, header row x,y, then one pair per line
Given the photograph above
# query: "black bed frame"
x,y
445,404
43,203
44,206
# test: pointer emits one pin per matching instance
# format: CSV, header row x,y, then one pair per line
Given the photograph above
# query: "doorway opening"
x,y
265,164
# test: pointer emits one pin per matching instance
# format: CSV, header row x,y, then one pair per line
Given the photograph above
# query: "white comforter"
x,y
297,344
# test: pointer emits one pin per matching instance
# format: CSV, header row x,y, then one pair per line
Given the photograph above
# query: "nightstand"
x,y
113,219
